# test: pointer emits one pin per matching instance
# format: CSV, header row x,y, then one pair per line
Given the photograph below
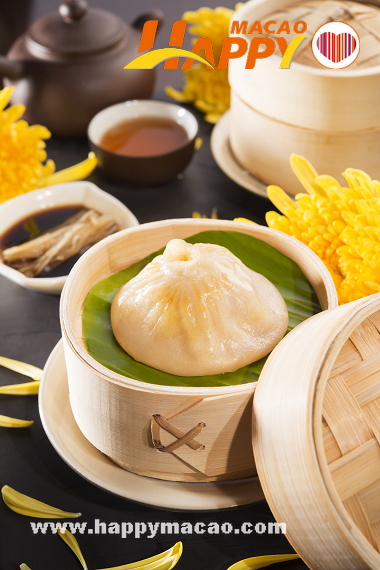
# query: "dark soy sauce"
x,y
34,225
145,136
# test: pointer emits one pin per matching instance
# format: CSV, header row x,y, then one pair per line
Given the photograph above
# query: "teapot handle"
x,y
154,14
10,69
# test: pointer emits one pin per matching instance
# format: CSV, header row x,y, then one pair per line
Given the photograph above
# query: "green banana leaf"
x,y
300,298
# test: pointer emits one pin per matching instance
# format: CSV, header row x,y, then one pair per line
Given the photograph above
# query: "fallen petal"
x,y
24,389
21,367
29,507
261,561
72,543
7,422
164,561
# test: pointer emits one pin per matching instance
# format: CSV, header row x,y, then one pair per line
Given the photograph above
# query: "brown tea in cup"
x,y
144,136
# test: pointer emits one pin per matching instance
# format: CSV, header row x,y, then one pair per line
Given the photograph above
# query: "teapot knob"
x,y
72,11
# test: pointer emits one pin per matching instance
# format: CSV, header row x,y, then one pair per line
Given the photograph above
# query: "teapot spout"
x,y
10,69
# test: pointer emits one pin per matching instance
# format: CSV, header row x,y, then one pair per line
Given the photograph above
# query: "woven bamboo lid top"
x,y
321,475
351,427
365,20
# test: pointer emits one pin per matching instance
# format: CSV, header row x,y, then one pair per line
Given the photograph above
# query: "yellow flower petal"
x,y
245,220
280,199
5,96
22,154
39,132
76,172
362,178
177,95
7,422
29,507
72,543
207,89
212,118
48,168
214,214
198,143
305,172
204,106
164,561
13,113
261,561
24,389
21,367
326,182
23,566
376,187
342,226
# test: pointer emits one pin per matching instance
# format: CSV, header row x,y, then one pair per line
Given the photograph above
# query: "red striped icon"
x,y
336,45
336,48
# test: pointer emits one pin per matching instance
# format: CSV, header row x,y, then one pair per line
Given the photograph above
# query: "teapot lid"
x,y
76,29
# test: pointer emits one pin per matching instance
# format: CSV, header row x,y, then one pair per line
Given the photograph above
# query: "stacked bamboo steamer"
x,y
136,423
332,117
316,436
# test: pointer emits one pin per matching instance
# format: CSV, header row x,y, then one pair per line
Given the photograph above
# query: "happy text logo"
x,y
255,48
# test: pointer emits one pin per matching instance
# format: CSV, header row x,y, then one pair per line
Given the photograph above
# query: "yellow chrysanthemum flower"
x,y
22,154
208,89
340,224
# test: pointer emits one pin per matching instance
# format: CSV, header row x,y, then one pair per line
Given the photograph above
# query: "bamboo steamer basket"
x,y
138,425
316,436
332,117
329,152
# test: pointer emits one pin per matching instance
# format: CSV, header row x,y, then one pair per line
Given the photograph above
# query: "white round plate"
x,y
67,439
224,157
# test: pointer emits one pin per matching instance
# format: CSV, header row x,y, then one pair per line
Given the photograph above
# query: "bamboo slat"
x,y
344,417
355,509
331,447
348,357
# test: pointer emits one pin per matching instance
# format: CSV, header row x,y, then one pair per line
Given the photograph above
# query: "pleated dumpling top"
x,y
197,310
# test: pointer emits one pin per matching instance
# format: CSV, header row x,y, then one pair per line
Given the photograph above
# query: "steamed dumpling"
x,y
198,310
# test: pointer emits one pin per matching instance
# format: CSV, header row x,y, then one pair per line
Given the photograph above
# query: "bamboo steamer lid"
x,y
311,96
364,18
316,436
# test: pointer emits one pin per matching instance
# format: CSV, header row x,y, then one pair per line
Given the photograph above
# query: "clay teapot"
x,y
69,65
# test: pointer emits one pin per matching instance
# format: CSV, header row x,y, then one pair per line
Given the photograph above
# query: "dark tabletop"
x,y
29,330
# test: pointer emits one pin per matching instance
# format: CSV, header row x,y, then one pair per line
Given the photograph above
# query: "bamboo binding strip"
x,y
328,490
